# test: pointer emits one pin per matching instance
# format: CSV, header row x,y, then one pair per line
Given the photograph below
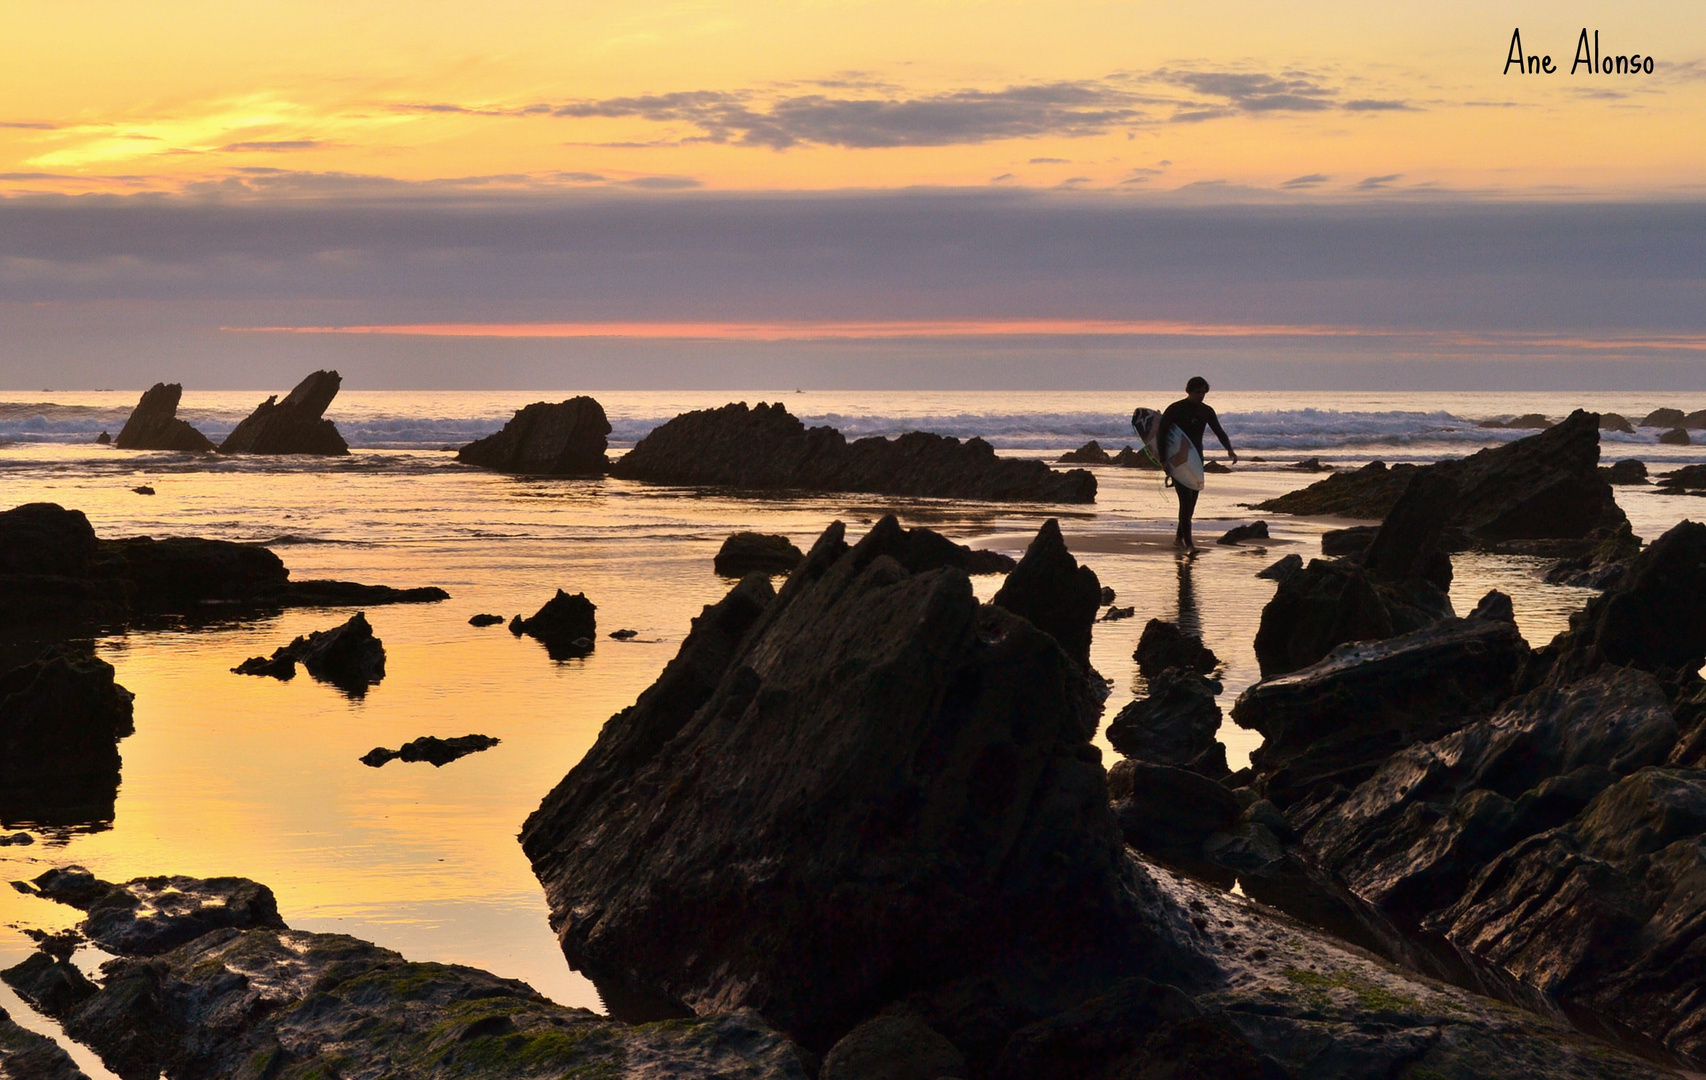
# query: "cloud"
x,y
1306,181
661,183
1049,161
1377,183
1255,93
1378,105
1003,178
278,146
28,125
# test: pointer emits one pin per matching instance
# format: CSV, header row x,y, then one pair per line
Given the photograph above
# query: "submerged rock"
x,y
1313,464
431,748
1057,596
765,448
348,656
154,424
295,425
749,552
566,625
563,439
61,718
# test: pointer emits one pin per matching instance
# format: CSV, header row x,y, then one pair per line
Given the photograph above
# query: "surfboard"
x,y
1179,458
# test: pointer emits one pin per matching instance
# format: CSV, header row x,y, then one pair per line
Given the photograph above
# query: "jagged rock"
x,y
1335,721
1108,594
1694,420
1601,566
565,625
1527,420
439,752
1283,568
143,489
1666,418
624,635
1616,422
1214,467
562,439
1175,725
24,1055
151,915
154,424
295,425
1168,813
1091,453
104,439
876,784
1164,645
1114,614
1313,464
1675,437
1625,472
485,620
1543,486
1349,541
348,656
1135,459
765,448
61,717
1056,595
1257,530
749,552
53,985
1687,478
898,1047
1648,619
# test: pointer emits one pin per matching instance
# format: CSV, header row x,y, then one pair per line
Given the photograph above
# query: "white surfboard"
x,y
1180,458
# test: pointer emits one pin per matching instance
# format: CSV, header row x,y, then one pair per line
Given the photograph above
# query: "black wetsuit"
x,y
1190,417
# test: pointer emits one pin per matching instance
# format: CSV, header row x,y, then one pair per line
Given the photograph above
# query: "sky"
x,y
851,192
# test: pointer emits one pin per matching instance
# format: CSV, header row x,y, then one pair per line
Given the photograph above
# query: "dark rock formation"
x,y
60,721
143,489
1675,437
1175,725
1108,594
485,620
1115,614
439,752
348,656
52,984
1256,530
154,424
566,625
1616,422
1135,459
1169,813
24,1055
756,553
1282,569
1164,645
1535,421
1600,566
104,439
1313,464
1335,721
1694,420
767,449
295,425
874,783
1666,418
1545,486
1050,590
1625,472
893,1047
1214,467
564,439
624,635
152,915
1687,478
1091,453
1349,541
267,1001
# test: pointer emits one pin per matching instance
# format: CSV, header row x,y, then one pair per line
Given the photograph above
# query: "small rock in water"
x,y
1214,467
756,553
1256,530
1675,437
485,620
430,748
347,656
1667,418
565,625
1615,422
1107,594
1283,569
1351,541
104,439
1628,471
1163,645
19,839
1313,464
1091,453
143,489
1114,614
624,635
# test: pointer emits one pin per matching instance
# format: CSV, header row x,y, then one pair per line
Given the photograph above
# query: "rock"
x,y
55,986
1687,478
767,449
1615,422
564,439
1257,530
1050,590
45,539
148,916
1534,421
295,425
17,839
154,424
566,625
867,785
281,665
1168,813
749,552
1540,487
1600,566
1666,418
1108,594
1313,464
61,717
1284,568
1337,720
485,620
624,635
1114,614
103,439
28,1056
270,1001
1351,541
1675,437
1091,453
1214,467
1627,471
1410,544
898,1047
1135,459
318,593
1164,645
1694,420
347,656
439,752
1175,725
143,489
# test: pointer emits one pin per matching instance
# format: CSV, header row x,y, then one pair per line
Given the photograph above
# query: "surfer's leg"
x,y
1187,507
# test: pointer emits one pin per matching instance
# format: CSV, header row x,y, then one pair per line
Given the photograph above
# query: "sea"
x,y
230,774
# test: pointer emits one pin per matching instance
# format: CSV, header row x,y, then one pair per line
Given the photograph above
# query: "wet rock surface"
x,y
152,915
430,748
296,425
61,717
1164,645
1602,565
767,449
566,625
1282,568
24,1055
1686,479
1174,725
749,552
1055,594
566,438
1256,530
1675,437
154,424
347,656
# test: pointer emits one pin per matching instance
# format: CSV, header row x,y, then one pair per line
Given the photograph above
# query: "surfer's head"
x,y
1197,387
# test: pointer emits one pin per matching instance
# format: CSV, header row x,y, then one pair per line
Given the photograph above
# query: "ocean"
x,y
228,774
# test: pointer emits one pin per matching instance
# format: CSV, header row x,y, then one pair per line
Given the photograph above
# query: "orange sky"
x,y
1256,100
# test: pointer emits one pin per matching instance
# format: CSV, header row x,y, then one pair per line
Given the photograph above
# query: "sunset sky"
x,y
190,180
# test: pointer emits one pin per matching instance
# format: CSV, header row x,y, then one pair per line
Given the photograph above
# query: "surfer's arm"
x,y
1220,433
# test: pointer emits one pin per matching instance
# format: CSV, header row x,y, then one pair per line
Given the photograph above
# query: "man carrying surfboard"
x,y
1190,415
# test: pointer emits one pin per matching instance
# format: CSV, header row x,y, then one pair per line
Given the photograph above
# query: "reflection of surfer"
x,y
1190,415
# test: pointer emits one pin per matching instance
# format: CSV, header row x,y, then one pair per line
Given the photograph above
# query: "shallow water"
x,y
229,774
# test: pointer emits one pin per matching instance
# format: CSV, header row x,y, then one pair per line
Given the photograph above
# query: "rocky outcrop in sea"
x,y
154,424
347,656
296,425
567,625
565,438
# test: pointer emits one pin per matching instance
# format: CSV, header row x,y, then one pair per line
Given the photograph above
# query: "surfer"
x,y
1190,414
